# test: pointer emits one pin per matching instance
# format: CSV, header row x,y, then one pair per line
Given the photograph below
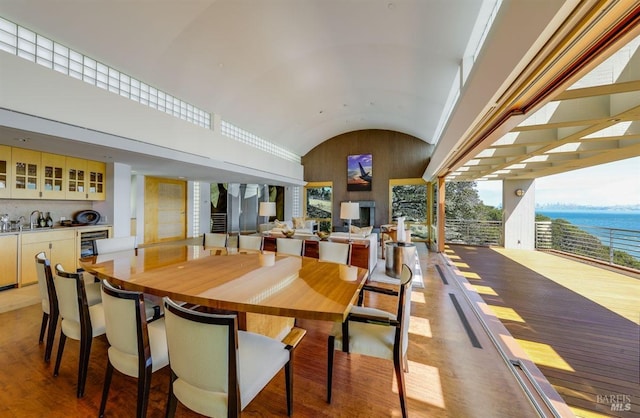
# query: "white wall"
x,y
519,214
32,89
139,207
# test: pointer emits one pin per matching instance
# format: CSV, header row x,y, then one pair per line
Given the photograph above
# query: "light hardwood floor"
x,y
448,376
579,323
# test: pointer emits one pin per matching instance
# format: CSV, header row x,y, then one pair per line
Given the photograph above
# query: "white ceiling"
x,y
294,72
298,72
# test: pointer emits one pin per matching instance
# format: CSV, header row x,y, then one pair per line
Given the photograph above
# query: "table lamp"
x,y
267,209
349,211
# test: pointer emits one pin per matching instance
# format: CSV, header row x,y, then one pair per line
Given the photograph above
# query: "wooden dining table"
x,y
267,290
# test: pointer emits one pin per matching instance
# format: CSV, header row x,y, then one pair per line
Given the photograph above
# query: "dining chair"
x,y
136,348
250,242
49,302
111,245
214,239
217,370
129,243
336,252
291,246
79,320
377,333
49,299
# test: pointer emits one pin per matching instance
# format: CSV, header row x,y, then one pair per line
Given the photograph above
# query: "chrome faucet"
x,y
33,224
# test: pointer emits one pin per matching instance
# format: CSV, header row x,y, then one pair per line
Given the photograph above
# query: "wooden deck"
x,y
578,322
450,373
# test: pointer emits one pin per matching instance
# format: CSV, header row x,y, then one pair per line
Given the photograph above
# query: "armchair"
x,y
49,302
137,348
80,321
217,370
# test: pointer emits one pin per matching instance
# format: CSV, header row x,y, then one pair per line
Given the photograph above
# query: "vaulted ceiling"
x,y
298,72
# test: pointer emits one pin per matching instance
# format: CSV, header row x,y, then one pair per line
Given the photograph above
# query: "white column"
x,y
205,208
117,205
519,213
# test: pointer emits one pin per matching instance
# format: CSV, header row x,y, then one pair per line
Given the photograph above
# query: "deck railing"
x,y
610,245
460,231
619,247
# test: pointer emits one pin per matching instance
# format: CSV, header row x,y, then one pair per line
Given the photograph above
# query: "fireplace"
x,y
367,214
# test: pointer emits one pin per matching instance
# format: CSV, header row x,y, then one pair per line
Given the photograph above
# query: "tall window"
x,y
408,198
318,203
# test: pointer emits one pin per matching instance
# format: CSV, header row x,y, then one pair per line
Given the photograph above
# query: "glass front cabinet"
x,y
5,171
53,168
26,174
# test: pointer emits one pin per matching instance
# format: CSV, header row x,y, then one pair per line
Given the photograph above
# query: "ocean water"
x,y
601,218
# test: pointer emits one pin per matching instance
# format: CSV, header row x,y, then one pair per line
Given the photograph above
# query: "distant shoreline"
x,y
616,209
618,219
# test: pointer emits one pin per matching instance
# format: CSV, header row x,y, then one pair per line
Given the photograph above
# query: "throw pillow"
x,y
298,223
279,224
365,231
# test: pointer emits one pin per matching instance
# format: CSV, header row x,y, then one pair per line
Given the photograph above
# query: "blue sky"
x,y
610,184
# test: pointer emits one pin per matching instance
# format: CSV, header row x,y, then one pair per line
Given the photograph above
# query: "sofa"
x,y
302,226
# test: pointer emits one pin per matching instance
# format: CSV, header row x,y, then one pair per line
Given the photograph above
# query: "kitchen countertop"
x,y
28,230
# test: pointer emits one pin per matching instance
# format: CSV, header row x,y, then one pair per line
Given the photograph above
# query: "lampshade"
x,y
267,209
349,210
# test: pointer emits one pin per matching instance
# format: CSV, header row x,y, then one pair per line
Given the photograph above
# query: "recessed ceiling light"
x,y
22,139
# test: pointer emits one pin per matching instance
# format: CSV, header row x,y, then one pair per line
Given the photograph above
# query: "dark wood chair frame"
x,y
86,330
49,320
233,401
400,363
145,363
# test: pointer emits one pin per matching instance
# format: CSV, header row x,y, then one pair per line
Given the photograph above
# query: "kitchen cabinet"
x,y
9,260
59,245
53,173
97,175
26,174
5,171
76,169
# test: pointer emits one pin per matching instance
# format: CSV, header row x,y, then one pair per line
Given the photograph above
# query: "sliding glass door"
x,y
318,204
408,198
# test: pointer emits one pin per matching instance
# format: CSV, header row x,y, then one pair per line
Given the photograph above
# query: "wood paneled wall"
x,y
395,155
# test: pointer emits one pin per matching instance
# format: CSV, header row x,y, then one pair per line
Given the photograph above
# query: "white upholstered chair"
x,y
137,348
214,239
50,311
376,333
79,320
250,242
336,252
291,246
129,243
112,245
217,370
